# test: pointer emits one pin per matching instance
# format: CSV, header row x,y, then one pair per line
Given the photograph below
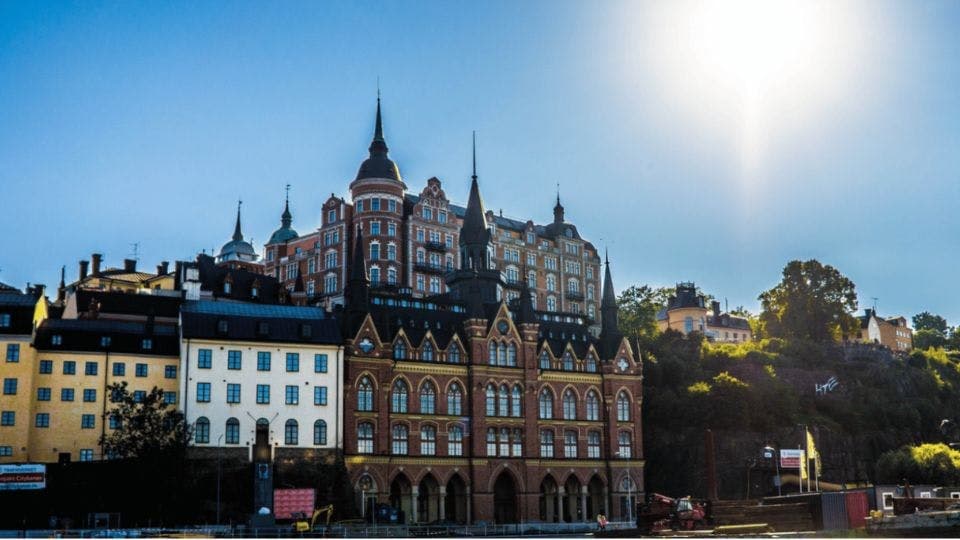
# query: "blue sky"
x,y
144,122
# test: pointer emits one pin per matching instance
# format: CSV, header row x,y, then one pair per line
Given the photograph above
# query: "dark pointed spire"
x,y
609,296
358,270
610,336
378,165
237,235
474,235
378,145
286,218
62,289
358,289
526,314
558,208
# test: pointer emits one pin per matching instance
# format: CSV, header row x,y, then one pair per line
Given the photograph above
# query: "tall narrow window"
x,y
591,363
569,405
516,443
493,353
516,406
593,444
593,406
491,441
365,395
365,438
428,441
455,441
290,432
623,407
398,401
455,400
399,350
201,431
503,401
512,355
570,444
625,444
427,353
567,361
546,443
544,360
504,442
546,404
319,433
453,354
400,440
491,401
428,398
232,434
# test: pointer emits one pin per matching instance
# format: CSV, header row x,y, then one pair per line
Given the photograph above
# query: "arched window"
x,y
493,353
569,405
491,441
455,400
546,443
551,282
201,431
232,435
623,407
428,441
503,403
453,354
544,360
401,437
455,441
365,438
399,350
625,445
570,444
551,303
504,441
532,279
591,363
491,400
391,271
427,352
398,401
546,404
502,356
512,355
319,433
590,291
567,361
516,406
593,406
365,395
290,432
593,444
428,398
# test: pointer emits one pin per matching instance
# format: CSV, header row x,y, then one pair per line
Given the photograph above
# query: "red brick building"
x,y
471,405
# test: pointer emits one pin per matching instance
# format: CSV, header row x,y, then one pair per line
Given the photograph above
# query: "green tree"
x,y
929,321
638,309
148,427
924,464
813,301
926,338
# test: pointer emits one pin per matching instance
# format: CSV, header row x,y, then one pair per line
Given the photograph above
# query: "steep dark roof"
x,y
726,320
122,303
378,165
443,325
125,336
20,307
201,319
212,277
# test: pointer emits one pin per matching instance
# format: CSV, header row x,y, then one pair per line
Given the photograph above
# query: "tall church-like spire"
x,y
610,335
378,165
474,235
558,208
237,235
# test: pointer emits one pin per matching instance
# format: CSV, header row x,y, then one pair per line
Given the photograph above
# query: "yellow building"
x,y
76,361
126,279
687,312
892,333
16,371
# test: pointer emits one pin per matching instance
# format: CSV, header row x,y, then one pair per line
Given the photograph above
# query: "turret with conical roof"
x,y
285,233
237,249
378,165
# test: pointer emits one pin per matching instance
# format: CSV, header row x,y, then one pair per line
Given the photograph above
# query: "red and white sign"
x,y
287,502
791,459
29,476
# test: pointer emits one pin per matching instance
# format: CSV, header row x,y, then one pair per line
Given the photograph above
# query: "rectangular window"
x,y
570,444
139,395
43,394
203,392
292,395
90,368
234,359
6,451
442,216
319,363
89,395
170,398
263,361
263,394
141,370
293,362
69,367
319,395
13,352
115,422
331,216
119,369
427,213
86,454
170,372
9,387
375,205
105,341
233,393
359,206
4,320
8,418
42,420
375,228
46,367
546,443
204,358
146,344
87,421
391,228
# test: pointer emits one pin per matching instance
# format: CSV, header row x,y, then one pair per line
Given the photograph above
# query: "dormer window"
x,y
56,339
4,320
227,287
306,331
263,328
254,292
105,341
222,326
146,344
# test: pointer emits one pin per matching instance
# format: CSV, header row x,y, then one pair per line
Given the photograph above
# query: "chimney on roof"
x,y
716,308
97,258
130,265
83,269
164,267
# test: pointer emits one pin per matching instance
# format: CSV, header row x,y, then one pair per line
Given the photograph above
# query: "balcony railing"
x,y
430,268
514,283
574,295
436,246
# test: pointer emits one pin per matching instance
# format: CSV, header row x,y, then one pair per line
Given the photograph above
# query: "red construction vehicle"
x,y
662,513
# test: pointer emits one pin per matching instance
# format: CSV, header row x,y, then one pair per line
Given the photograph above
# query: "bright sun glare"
x,y
750,66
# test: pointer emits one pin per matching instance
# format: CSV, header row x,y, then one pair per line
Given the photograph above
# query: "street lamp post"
x,y
770,453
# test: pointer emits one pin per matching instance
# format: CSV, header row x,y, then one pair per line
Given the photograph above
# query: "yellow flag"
x,y
812,452
803,465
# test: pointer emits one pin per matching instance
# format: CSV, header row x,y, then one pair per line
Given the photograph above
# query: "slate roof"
x,y
20,307
125,336
213,275
123,303
287,324
728,321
